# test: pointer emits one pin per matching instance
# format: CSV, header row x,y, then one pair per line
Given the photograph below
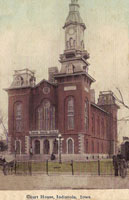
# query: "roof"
x,y
74,74
74,15
96,106
44,80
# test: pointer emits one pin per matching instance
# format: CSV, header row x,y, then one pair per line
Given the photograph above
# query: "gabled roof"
x,y
44,80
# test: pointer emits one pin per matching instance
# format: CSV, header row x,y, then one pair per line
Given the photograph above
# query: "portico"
x,y
44,142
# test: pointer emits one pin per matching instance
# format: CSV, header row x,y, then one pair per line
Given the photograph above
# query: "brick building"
x,y
64,104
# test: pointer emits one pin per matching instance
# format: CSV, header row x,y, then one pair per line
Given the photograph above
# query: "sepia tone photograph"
x,y
64,98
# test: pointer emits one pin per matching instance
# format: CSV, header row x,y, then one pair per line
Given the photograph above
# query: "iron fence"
x,y
48,167
98,167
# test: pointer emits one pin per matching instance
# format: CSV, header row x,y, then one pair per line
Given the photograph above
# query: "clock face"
x,y
71,31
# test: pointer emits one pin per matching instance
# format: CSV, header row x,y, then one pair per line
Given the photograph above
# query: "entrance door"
x,y
46,147
37,147
18,147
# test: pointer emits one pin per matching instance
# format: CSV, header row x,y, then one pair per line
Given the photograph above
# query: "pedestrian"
x,y
31,152
53,156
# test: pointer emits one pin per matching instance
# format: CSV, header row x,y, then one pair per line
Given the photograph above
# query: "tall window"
x,y
18,117
102,126
93,124
87,146
92,146
55,147
102,147
86,115
98,126
70,146
70,113
40,123
98,147
46,116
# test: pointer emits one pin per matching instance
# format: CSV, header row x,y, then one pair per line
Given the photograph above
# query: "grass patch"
x,y
87,167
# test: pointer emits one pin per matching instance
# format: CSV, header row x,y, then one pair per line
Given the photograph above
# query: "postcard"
x,y
64,101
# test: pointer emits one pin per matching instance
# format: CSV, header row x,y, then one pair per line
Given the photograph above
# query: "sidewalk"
x,y
36,182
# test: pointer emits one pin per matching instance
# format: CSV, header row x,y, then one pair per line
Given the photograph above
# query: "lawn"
x,y
105,167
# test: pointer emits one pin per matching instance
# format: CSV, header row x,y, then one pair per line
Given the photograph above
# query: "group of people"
x,y
120,165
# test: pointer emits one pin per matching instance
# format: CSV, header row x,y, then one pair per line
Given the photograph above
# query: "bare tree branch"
x,y
121,99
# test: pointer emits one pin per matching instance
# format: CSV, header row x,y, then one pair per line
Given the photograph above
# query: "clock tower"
x,y
75,56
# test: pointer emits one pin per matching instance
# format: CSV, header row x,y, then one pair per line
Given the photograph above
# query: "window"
x,y
70,113
107,128
98,147
71,42
102,127
46,116
86,115
18,117
70,146
102,147
92,146
93,124
46,146
98,126
55,147
70,69
87,146
37,147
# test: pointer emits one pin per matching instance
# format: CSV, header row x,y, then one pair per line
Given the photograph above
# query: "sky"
x,y
31,36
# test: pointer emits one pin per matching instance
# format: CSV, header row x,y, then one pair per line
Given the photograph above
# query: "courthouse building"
x,y
62,105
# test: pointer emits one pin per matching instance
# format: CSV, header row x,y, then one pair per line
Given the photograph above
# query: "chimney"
x,y
51,72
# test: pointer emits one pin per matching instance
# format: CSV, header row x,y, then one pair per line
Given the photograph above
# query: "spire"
x,y
74,15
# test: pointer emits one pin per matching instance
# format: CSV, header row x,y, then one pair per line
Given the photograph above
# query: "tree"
x,y
3,122
121,101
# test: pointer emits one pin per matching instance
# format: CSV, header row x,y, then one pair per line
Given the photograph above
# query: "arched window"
x,y
70,146
46,116
18,117
46,146
86,115
70,113
37,147
71,42
67,44
55,147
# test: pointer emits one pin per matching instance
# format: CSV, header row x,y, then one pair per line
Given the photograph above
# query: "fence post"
x,y
72,167
30,167
99,167
15,167
47,167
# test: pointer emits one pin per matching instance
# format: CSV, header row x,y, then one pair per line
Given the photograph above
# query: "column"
x,y
41,145
51,145
33,145
27,145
